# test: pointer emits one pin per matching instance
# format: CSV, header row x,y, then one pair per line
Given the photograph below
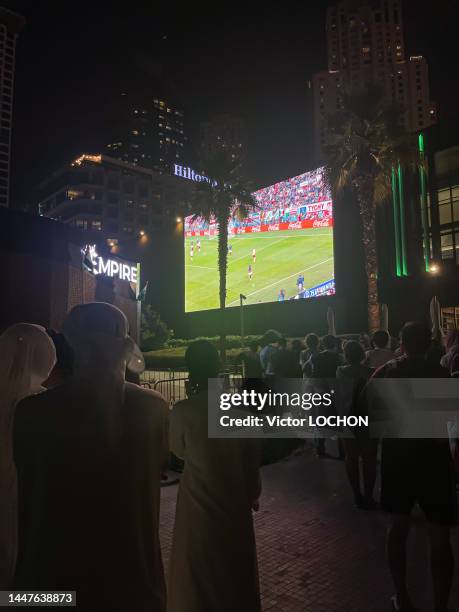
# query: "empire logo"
x,y
96,264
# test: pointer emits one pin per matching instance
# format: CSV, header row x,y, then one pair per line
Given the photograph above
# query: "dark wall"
x,y
40,282
408,299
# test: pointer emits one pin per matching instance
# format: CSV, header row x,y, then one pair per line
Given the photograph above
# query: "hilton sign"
x,y
188,173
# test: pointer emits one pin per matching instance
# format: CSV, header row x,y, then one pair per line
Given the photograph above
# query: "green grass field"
x,y
281,256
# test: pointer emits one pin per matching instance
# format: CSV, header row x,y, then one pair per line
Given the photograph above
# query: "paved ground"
x,y
316,552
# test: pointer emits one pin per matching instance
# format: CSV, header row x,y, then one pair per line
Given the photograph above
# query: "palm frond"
x,y
366,139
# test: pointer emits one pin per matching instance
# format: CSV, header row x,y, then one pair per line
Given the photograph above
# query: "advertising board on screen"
x,y
282,251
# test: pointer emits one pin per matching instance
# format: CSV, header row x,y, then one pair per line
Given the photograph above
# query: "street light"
x,y
242,299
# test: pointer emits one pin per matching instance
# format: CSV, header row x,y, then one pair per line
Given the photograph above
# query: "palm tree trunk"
x,y
222,269
364,189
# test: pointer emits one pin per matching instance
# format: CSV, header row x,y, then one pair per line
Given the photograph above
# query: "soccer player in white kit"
x,y
254,255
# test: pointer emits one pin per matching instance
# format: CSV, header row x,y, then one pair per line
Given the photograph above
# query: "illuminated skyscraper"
x,y
366,47
10,26
146,131
224,133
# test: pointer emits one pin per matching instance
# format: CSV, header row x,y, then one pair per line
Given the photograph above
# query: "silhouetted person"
x,y
358,447
451,356
285,363
380,353
64,360
418,471
89,456
213,561
323,368
27,356
297,347
325,363
312,348
269,343
251,361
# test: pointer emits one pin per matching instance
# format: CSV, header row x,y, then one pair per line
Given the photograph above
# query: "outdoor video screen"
x,y
282,251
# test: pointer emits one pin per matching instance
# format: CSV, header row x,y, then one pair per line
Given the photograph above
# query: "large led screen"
x,y
282,251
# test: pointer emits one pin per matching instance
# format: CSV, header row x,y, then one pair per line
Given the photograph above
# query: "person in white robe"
x,y
27,356
89,455
213,564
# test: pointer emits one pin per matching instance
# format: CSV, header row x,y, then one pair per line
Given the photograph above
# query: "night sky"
x,y
73,57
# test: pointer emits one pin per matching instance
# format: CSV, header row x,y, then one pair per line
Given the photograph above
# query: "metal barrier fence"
x,y
172,383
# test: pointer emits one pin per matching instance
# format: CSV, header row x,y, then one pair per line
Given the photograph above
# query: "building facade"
x,y
224,134
43,275
365,45
443,204
123,201
10,26
146,131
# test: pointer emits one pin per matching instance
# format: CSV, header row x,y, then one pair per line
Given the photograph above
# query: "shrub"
x,y
232,342
154,333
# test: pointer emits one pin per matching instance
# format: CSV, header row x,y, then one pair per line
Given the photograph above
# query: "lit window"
x,y
73,194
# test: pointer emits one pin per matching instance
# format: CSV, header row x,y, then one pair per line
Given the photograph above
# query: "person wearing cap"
x,y
89,455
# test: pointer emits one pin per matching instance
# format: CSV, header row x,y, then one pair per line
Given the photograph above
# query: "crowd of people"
x,y
412,471
301,198
83,451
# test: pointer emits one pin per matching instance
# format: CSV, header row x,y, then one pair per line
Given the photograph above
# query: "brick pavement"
x,y
316,552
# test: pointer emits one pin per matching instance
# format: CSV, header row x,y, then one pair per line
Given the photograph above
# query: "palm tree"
x,y
227,195
364,142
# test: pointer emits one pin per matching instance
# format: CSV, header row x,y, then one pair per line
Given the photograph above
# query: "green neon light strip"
x,y
421,142
422,180
425,233
398,269
402,221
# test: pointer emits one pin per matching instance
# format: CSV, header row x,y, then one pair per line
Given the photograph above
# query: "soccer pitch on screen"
x,y
283,251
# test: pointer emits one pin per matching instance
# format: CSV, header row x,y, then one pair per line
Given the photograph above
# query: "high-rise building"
x,y
99,193
146,131
10,26
224,133
365,48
